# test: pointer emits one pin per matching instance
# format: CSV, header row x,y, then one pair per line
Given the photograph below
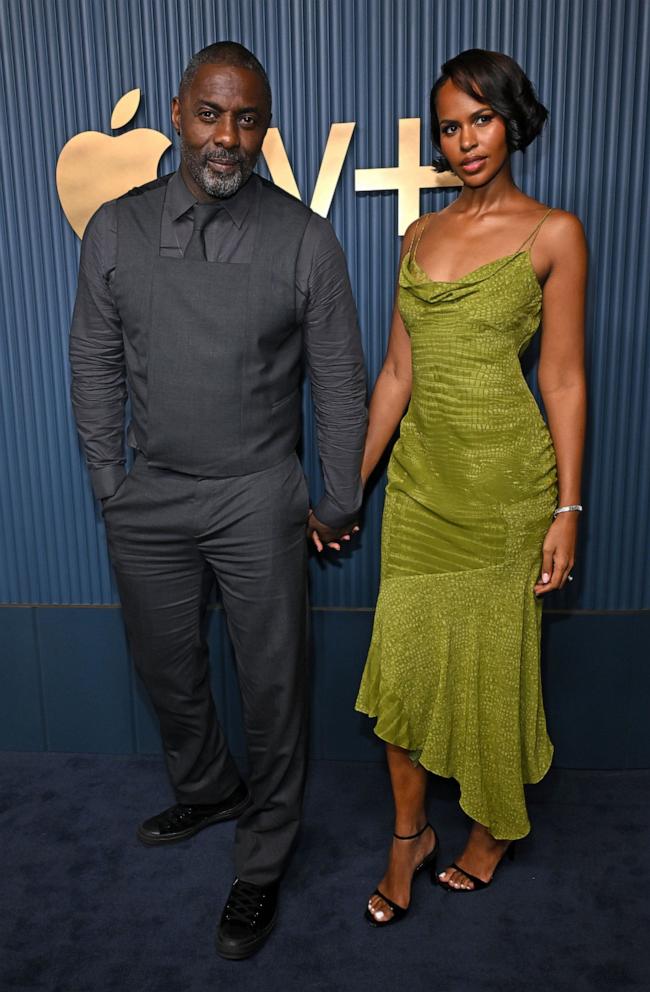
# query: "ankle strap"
x,y
413,836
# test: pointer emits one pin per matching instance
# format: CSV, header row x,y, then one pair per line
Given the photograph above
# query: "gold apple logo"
x,y
95,167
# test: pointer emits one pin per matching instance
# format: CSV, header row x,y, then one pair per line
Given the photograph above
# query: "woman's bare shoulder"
x,y
428,220
408,237
563,231
414,229
562,222
557,222
562,244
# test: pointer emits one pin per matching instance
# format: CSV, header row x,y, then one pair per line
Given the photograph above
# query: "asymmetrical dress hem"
x,y
466,805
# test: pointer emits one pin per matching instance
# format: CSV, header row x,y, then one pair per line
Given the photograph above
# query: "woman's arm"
x,y
561,379
392,390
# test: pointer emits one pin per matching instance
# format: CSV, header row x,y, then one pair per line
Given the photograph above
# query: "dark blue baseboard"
x,y
67,684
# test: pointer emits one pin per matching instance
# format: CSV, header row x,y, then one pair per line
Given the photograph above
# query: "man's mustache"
x,y
227,157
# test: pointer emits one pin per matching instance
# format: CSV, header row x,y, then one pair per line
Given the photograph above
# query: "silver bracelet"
x,y
567,509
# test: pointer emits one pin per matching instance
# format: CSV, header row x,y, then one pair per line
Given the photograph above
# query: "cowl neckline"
x,y
413,278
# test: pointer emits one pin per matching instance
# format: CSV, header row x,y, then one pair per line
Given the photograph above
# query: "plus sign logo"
x,y
408,177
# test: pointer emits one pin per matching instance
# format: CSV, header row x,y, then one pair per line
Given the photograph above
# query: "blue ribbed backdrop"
x,y
64,65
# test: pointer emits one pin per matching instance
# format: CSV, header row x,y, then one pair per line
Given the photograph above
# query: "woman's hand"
x,y
558,553
320,534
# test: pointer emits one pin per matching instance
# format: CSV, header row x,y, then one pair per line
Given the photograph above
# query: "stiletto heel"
x,y
399,912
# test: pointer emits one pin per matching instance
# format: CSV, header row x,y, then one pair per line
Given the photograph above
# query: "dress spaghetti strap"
x,y
415,240
530,240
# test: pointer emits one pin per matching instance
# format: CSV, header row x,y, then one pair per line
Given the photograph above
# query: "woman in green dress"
x,y
483,499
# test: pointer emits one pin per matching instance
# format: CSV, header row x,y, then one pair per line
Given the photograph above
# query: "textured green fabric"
x,y
453,670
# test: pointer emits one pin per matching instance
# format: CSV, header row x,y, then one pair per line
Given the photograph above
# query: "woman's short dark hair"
x,y
495,79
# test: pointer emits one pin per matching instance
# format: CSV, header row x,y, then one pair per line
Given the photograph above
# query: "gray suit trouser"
x,y
167,533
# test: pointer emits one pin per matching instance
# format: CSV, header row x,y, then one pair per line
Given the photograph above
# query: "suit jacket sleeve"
x,y
97,357
334,363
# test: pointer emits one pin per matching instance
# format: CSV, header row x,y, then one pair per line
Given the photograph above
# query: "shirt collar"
x,y
178,199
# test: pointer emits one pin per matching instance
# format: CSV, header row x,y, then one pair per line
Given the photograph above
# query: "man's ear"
x,y
176,114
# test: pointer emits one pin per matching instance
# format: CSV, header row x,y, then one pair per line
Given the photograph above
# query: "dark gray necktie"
x,y
203,214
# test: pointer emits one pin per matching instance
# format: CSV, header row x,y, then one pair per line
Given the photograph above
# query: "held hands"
x,y
320,534
558,553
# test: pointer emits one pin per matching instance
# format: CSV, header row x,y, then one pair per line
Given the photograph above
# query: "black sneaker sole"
x,y
228,814
247,949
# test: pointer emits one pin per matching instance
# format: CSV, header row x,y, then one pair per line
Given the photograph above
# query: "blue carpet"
x,y
86,908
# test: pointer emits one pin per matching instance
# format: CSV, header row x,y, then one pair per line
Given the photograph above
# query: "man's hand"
x,y
322,535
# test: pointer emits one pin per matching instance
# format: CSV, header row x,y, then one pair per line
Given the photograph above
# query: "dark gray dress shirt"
x,y
326,312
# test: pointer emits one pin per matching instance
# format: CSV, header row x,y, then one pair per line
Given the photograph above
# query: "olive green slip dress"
x,y
453,672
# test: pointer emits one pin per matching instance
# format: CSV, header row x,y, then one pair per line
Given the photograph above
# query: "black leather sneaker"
x,y
182,821
247,919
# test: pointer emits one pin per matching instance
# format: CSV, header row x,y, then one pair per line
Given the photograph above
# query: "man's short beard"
x,y
214,183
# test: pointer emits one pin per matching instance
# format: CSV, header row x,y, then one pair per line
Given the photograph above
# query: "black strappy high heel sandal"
x,y
478,882
399,912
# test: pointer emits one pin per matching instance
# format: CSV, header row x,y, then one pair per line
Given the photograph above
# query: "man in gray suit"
x,y
201,296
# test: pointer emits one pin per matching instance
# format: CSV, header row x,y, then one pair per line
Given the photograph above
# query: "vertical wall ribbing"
x,y
66,62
